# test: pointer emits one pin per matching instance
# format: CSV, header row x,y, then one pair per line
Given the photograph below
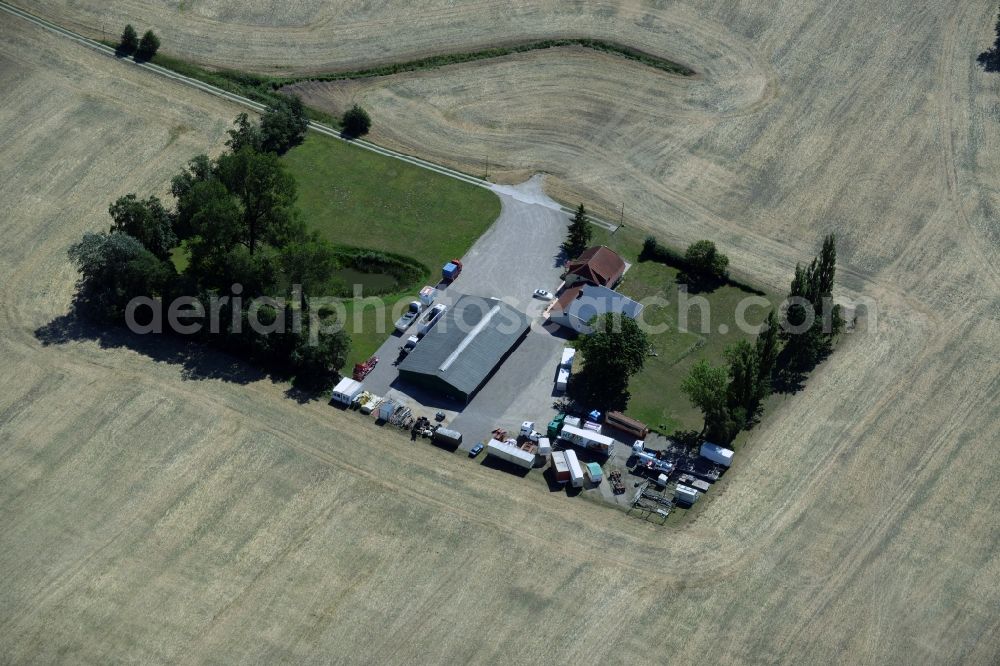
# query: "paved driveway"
x,y
518,254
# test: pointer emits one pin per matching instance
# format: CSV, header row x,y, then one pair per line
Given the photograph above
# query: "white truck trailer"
x,y
575,471
686,494
510,453
346,391
562,379
717,454
587,439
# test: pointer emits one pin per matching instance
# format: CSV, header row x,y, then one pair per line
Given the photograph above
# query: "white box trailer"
x,y
562,379
717,454
510,453
587,439
427,295
568,354
346,391
575,471
686,494
544,446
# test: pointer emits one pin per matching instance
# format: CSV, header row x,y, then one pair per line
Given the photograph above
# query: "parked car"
x,y
476,450
412,312
543,294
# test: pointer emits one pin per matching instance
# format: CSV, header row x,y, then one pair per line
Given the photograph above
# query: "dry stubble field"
x,y
150,514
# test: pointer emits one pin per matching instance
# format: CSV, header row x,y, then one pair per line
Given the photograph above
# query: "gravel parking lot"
x,y
518,254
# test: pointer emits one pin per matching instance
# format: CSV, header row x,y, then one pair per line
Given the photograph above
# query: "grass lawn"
x,y
355,197
656,396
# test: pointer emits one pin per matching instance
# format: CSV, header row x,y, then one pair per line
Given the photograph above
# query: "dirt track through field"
x,y
158,504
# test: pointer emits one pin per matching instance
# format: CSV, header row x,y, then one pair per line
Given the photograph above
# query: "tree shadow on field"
x,y
197,360
989,59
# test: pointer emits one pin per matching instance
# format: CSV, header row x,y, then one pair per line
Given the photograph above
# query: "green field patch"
x,y
690,334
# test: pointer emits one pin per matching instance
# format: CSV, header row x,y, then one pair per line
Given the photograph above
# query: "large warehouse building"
x,y
459,354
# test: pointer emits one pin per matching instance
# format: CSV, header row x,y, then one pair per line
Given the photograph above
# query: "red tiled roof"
x,y
565,298
598,265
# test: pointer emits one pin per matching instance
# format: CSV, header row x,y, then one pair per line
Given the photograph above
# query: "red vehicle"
x,y
361,370
451,270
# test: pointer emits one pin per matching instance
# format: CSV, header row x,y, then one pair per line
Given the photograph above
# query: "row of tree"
x,y
142,49
730,397
236,220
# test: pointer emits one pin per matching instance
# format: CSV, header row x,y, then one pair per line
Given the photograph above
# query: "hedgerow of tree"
x,y
730,397
235,217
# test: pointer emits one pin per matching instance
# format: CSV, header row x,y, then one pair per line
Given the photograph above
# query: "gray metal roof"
x,y
593,301
468,342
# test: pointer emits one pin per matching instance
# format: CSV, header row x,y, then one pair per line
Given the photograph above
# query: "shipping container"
x,y
686,494
626,424
575,471
445,436
717,454
560,470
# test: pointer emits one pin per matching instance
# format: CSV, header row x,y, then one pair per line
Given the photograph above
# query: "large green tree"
x,y
579,233
147,221
706,386
612,353
705,264
244,134
356,122
767,348
129,41
148,46
265,193
283,125
744,380
115,268
811,320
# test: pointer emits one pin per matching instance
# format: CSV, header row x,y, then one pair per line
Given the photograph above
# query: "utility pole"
x,y
621,222
487,166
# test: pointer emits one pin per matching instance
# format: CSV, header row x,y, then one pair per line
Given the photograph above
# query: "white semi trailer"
x,y
587,439
510,453
717,454
575,470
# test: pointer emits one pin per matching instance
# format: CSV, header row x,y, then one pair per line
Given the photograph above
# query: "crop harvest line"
x,y
257,106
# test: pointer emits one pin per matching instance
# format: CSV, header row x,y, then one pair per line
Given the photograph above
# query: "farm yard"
x,y
168,511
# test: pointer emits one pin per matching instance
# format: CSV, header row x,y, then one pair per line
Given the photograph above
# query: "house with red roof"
x,y
599,266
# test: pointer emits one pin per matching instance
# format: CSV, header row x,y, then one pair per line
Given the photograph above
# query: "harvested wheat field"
x,y
159,506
